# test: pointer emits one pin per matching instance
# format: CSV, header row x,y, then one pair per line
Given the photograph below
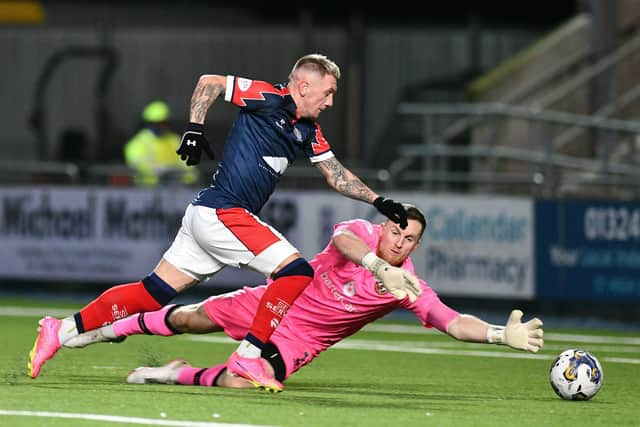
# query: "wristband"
x,y
197,127
495,334
371,262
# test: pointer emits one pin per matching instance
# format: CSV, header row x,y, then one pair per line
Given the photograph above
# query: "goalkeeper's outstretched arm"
x,y
526,336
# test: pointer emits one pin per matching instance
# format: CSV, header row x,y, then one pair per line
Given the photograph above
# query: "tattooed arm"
x,y
209,87
344,181
193,141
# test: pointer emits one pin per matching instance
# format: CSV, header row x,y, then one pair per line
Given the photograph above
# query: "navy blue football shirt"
x,y
262,143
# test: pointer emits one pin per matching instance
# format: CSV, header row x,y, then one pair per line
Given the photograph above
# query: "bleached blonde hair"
x,y
318,63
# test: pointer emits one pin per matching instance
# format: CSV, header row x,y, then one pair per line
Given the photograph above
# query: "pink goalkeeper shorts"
x,y
234,312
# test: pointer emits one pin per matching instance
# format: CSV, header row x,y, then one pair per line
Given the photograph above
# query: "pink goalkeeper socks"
x,y
200,376
151,323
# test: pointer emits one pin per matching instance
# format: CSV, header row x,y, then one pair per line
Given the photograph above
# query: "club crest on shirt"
x,y
381,289
243,84
349,289
297,134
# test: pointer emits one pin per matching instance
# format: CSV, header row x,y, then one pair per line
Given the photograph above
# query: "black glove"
x,y
393,210
192,144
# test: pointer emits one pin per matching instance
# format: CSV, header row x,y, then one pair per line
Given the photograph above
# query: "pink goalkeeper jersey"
x,y
343,297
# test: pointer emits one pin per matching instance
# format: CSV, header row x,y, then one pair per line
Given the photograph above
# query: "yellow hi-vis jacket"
x,y
153,157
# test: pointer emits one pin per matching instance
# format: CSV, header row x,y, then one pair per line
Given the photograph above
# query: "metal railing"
x,y
545,169
551,170
18,172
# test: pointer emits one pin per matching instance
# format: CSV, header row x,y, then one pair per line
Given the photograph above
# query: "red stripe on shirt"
x,y
245,90
320,145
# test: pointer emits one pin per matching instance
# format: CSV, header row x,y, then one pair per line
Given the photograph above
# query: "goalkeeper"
x,y
363,274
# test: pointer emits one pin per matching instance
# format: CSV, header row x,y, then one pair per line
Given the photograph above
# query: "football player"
x,y
357,280
221,225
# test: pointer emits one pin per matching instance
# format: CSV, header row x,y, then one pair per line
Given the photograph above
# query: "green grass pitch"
x,y
382,376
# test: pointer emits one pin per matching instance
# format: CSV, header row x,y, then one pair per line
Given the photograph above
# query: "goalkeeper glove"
x,y
192,143
399,282
392,210
522,336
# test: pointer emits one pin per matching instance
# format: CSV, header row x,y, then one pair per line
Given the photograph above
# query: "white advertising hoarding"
x,y
478,246
474,246
86,234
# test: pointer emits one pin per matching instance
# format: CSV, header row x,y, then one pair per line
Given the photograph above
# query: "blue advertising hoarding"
x,y
587,250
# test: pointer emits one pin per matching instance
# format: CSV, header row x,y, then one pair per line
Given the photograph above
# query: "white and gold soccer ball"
x,y
576,374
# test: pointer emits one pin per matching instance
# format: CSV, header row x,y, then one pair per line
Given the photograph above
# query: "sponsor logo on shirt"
x,y
279,309
336,293
117,313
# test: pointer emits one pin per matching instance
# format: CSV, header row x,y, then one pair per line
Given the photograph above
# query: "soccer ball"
x,y
576,374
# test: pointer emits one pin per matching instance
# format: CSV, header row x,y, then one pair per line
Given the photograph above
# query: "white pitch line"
x,y
409,329
547,346
34,311
355,344
377,327
592,339
429,348
120,419
595,348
